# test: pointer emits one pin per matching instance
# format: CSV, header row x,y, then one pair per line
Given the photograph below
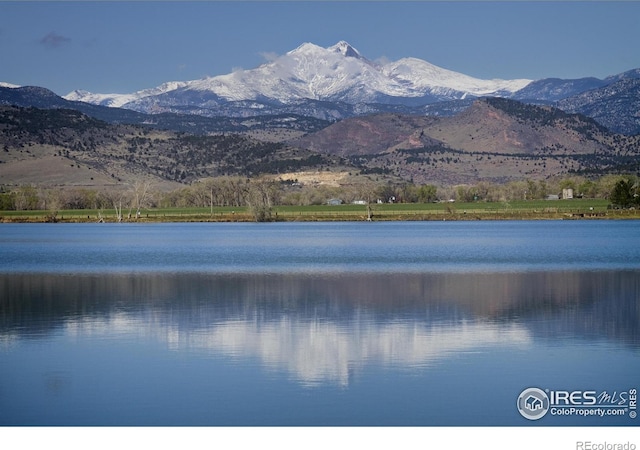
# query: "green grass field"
x,y
519,210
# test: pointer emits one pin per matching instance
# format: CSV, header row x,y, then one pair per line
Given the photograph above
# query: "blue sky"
x,y
122,47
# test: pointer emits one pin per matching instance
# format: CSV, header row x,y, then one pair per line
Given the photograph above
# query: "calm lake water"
x,y
416,323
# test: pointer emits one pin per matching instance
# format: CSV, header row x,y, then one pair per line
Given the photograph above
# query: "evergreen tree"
x,y
623,194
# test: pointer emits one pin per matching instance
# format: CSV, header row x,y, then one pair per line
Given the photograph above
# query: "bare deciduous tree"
x,y
139,196
260,199
113,198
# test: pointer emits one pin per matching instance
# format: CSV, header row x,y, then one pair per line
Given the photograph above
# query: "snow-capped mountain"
x,y
119,100
338,82
312,73
424,77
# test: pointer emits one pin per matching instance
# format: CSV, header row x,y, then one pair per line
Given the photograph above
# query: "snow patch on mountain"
x,y
8,85
423,77
119,100
345,49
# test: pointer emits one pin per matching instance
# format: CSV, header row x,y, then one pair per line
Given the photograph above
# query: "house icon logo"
x,y
533,403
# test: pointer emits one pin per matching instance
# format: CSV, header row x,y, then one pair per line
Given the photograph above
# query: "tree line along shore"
x,y
236,199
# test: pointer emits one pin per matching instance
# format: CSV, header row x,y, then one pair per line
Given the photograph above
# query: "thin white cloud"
x,y
269,56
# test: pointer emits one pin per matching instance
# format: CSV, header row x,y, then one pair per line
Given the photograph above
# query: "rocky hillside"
x,y
274,127
65,147
616,106
493,140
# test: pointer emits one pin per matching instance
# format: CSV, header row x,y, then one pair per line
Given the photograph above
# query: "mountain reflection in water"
x,y
321,328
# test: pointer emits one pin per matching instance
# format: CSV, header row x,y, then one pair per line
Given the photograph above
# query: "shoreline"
x,y
326,217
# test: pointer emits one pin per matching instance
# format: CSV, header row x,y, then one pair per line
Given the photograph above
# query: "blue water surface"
x,y
316,324
325,247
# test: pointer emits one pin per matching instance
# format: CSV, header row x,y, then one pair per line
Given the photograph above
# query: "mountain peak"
x,y
345,49
305,48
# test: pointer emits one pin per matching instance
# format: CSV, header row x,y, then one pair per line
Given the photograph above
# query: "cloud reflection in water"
x,y
319,329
